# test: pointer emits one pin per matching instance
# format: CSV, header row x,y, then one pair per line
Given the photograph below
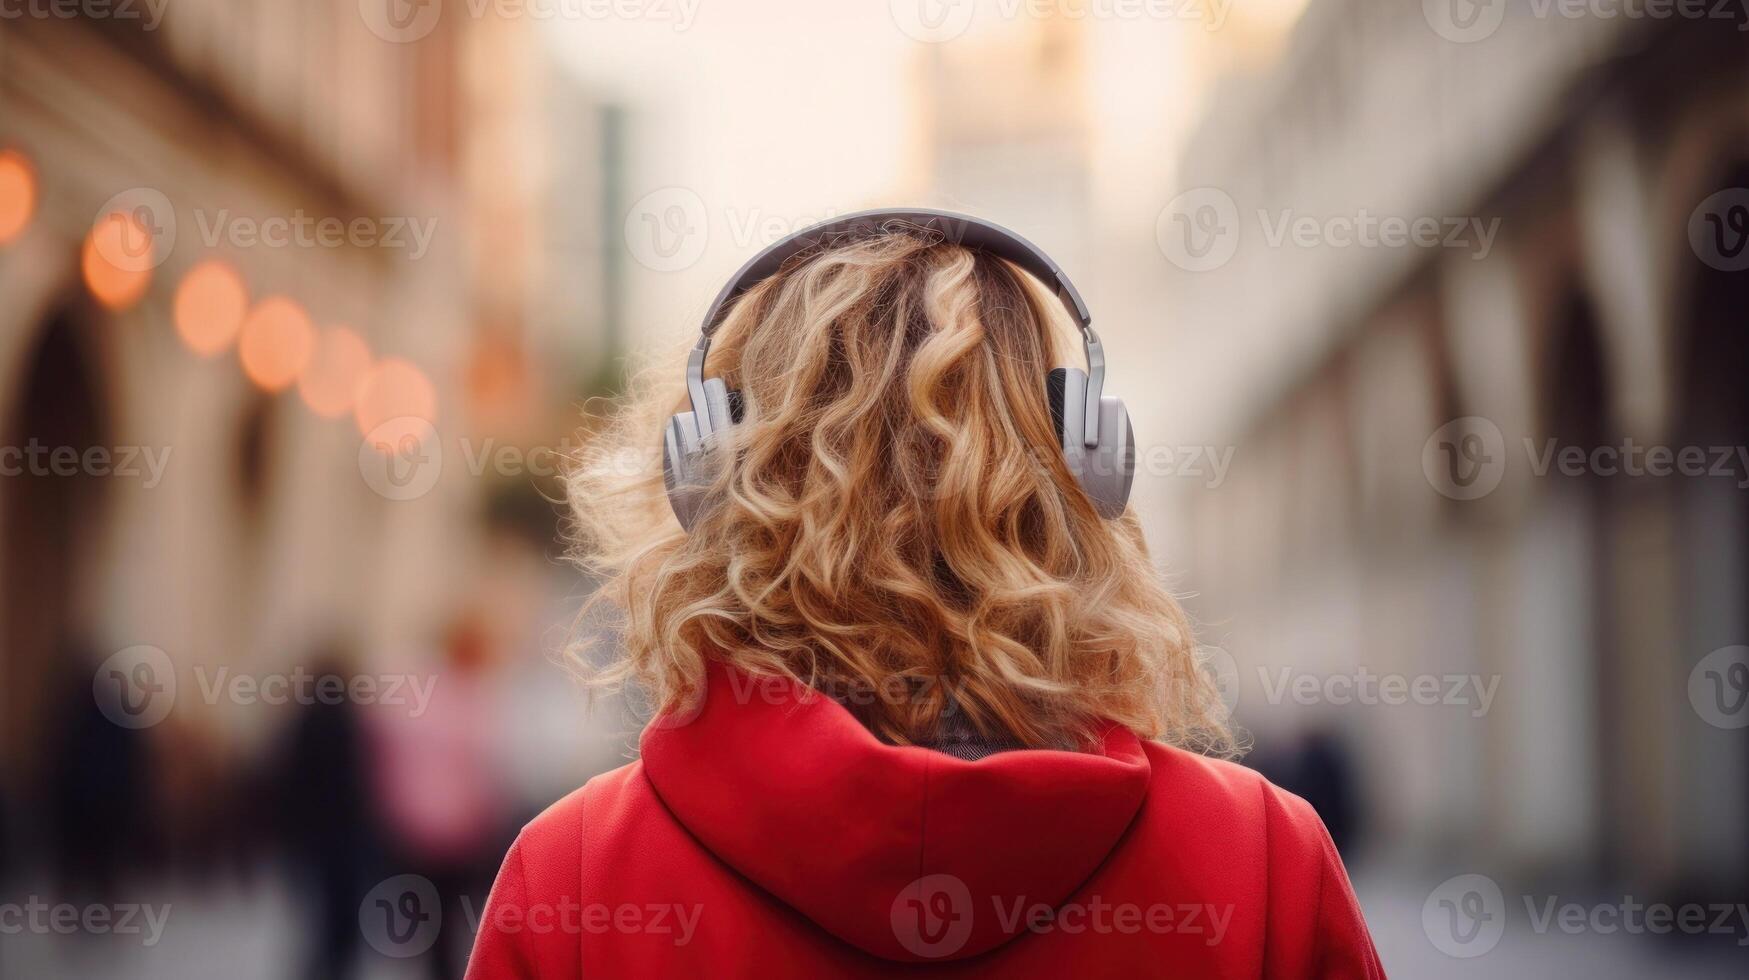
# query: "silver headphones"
x,y
1094,430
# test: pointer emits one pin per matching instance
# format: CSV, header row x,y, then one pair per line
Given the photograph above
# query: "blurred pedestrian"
x,y
103,820
444,804
327,825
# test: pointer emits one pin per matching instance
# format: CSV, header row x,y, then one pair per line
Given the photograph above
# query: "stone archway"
x,y
1560,625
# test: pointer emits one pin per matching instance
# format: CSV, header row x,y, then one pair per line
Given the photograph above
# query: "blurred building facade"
x,y
264,538
1592,319
1007,130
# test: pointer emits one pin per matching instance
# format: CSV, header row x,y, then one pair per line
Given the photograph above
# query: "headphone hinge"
x,y
1095,384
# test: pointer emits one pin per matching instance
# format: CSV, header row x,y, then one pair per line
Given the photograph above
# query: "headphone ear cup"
x,y
1106,471
681,459
688,463
1110,472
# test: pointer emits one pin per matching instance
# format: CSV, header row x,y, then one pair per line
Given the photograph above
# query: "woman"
x,y
925,705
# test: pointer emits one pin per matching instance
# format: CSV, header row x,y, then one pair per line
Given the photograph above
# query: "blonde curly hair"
x,y
894,516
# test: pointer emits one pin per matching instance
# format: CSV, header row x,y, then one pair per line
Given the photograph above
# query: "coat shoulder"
x,y
1221,793
532,924
555,837
1225,786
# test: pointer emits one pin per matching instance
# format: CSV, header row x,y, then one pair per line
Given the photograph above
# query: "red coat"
x,y
773,836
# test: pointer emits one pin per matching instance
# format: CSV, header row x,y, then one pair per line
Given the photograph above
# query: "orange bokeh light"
x,y
395,393
331,381
276,342
210,304
17,195
116,286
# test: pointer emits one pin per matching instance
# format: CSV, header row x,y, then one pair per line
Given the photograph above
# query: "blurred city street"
x,y
1431,329
251,924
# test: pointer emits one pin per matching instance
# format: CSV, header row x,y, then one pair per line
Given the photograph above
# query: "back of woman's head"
x,y
892,522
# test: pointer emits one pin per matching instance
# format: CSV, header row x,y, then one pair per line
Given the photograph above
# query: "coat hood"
x,y
889,848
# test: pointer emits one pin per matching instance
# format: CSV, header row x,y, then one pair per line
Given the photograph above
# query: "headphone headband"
x,y
960,229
